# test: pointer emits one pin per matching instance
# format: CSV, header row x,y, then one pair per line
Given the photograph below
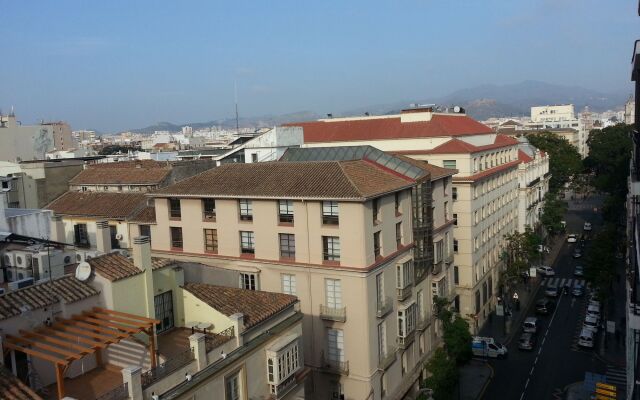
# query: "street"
x,y
556,360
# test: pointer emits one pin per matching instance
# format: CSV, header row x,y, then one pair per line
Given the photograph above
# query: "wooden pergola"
x,y
71,339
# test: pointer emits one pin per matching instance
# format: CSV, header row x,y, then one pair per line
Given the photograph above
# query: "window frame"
x,y
330,213
250,240
176,244
210,246
290,252
286,217
175,213
329,246
208,213
245,210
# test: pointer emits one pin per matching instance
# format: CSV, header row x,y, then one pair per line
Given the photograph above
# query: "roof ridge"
x,y
346,175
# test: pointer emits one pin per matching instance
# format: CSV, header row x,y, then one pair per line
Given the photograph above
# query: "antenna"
x,y
235,89
83,271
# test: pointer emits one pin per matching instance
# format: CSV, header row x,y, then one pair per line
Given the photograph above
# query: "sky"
x,y
116,65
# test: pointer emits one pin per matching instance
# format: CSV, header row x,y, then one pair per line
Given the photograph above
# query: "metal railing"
x,y
384,306
405,341
213,340
166,368
338,314
335,366
120,392
403,293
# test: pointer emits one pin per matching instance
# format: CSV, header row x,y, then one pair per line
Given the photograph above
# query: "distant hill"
x,y
480,102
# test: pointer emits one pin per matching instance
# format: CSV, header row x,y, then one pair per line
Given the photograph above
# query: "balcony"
x,y
334,366
385,306
448,259
403,293
423,322
387,359
405,341
437,267
333,314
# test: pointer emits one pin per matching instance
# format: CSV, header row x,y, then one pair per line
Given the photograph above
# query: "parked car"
x,y
527,341
544,306
551,291
586,338
578,271
587,226
530,325
591,323
572,238
546,270
487,347
577,291
577,253
594,310
542,248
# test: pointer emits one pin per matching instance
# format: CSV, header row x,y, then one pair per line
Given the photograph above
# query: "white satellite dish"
x,y
456,109
83,271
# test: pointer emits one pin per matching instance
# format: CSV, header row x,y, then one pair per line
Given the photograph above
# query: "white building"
x,y
533,184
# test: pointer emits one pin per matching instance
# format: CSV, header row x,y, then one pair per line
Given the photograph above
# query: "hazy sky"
x,y
112,65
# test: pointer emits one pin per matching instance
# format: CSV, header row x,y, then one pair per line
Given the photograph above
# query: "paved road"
x,y
556,361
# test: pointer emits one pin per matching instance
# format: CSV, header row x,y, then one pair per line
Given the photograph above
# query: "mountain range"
x,y
480,102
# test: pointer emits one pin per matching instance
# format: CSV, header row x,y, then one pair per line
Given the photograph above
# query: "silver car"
x,y
527,341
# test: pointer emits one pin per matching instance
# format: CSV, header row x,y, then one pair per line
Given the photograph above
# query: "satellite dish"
x,y
83,271
456,109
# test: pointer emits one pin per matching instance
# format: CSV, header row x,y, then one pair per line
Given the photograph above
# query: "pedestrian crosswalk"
x,y
560,282
617,376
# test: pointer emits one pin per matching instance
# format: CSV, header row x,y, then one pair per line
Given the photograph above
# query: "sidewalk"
x,y
474,379
612,349
496,326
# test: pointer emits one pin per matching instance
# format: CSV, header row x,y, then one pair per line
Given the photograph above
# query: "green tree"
x,y
609,154
443,375
564,159
457,340
553,213
600,261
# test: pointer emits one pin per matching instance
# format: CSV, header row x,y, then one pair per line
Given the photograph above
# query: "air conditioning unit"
x,y
122,252
86,255
21,284
9,259
23,259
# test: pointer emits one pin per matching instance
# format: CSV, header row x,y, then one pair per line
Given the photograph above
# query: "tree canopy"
x,y
609,154
553,213
564,159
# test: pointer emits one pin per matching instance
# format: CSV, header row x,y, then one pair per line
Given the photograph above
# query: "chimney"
x,y
237,320
57,229
142,252
418,114
103,237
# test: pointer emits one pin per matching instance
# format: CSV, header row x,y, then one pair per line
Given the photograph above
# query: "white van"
x,y
586,338
530,325
487,347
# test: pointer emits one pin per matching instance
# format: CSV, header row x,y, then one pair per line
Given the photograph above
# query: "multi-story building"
x,y
533,184
630,111
351,238
32,142
484,192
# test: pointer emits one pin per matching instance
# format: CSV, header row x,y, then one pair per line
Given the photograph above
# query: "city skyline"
x,y
116,66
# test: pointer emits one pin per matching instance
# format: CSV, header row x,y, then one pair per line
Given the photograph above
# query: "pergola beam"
x,y
108,324
108,332
82,339
35,353
70,355
108,317
87,333
54,340
123,314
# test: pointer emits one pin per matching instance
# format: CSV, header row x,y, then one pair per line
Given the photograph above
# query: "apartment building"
x,y
485,187
345,237
20,142
533,184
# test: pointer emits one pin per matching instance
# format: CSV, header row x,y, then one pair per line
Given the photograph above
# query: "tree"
x,y
609,154
564,159
117,149
443,375
601,263
457,340
553,213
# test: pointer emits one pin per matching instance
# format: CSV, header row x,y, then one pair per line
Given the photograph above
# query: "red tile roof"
x,y
121,176
524,157
256,305
390,128
114,266
98,204
12,388
435,171
457,146
146,215
486,173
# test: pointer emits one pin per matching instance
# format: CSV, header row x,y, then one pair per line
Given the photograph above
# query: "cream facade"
x,y
533,185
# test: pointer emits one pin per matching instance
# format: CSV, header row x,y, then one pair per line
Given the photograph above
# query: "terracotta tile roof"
x,y
487,173
121,176
129,164
159,263
454,146
67,289
12,388
524,157
457,146
389,128
114,266
98,204
146,215
435,171
353,180
256,305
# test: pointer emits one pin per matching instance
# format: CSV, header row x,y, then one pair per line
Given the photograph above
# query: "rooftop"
x,y
146,215
255,305
98,204
67,289
120,176
460,146
12,388
345,180
114,266
390,128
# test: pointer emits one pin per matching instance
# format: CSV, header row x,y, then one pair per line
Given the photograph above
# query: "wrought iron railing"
x,y
213,340
120,392
333,313
335,366
167,367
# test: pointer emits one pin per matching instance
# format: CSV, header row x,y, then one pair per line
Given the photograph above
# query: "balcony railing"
x,y
213,340
120,392
403,293
437,268
166,368
385,306
338,314
387,359
405,341
335,366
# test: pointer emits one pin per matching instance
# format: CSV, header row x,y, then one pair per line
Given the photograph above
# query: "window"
x,y
287,245
455,219
376,245
456,275
247,242
174,208
399,234
446,211
333,293
454,193
379,288
419,303
406,320
81,235
246,210
289,284
330,213
475,217
176,238
248,281
232,387
281,368
456,303
449,164
375,207
211,240
209,209
382,340
397,203
404,274
455,245
335,345
477,301
145,230
285,211
254,157
437,251
331,248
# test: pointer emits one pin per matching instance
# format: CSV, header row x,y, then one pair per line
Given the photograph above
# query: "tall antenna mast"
x,y
235,90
